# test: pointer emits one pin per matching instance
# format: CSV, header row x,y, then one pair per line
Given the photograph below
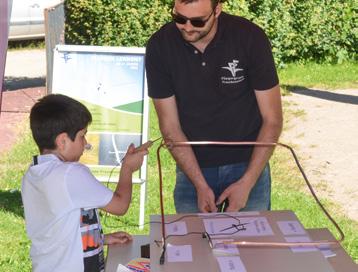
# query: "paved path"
x,y
26,63
15,109
25,74
25,69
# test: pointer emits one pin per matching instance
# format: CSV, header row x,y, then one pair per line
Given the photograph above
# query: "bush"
x,y
299,30
305,30
113,23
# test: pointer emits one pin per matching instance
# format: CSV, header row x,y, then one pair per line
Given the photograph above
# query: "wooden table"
x,y
255,259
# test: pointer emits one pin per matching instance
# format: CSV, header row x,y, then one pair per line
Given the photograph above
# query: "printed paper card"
x,y
297,249
182,253
326,251
176,228
291,228
231,264
221,249
245,226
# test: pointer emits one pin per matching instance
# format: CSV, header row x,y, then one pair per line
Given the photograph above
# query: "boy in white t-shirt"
x,y
61,196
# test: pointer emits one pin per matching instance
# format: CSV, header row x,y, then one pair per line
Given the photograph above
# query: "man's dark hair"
x,y
213,2
55,114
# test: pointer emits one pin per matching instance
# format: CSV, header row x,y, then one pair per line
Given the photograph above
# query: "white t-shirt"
x,y
53,193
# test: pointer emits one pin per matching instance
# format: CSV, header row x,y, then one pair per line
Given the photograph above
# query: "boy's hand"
x,y
134,157
119,237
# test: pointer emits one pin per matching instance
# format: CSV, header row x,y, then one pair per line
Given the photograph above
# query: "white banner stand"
x,y
111,82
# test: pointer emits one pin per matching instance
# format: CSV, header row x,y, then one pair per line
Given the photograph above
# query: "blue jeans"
x,y
219,178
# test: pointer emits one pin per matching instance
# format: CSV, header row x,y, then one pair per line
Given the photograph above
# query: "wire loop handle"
x,y
170,145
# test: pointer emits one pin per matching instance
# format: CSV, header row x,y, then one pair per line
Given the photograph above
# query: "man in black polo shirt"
x,y
212,78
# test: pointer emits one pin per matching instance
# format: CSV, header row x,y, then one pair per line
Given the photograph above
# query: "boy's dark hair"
x,y
54,114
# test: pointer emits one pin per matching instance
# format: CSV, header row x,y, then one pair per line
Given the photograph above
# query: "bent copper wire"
x,y
170,145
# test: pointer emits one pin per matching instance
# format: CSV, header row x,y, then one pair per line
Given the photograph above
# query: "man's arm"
x,y
171,130
269,102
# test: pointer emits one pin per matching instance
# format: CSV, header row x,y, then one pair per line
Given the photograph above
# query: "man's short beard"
x,y
197,38
202,34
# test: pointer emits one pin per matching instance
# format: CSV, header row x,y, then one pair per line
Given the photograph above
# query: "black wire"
x,y
206,216
178,219
179,235
107,184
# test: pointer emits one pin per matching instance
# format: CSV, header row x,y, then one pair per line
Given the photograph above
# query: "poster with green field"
x,y
110,82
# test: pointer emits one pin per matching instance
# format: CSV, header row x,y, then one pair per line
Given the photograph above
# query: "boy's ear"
x,y
61,140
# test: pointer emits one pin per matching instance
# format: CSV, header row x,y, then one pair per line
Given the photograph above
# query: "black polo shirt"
x,y
214,90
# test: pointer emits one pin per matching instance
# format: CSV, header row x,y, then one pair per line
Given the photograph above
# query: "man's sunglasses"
x,y
180,19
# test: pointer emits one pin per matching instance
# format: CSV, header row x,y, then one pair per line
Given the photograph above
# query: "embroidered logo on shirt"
x,y
233,68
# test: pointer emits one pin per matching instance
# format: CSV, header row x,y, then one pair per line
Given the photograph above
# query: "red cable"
x,y
161,192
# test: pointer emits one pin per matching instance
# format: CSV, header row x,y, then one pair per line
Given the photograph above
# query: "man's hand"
x,y
237,194
119,237
206,199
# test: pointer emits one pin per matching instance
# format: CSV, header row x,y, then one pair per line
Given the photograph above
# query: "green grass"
x,y
312,75
26,44
14,246
289,191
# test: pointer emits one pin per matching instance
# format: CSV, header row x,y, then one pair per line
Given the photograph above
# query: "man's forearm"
x,y
185,158
269,102
261,154
171,130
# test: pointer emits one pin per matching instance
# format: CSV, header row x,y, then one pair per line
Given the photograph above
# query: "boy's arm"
x,y
119,237
123,193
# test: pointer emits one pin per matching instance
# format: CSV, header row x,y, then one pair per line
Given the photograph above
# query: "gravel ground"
x,y
326,140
